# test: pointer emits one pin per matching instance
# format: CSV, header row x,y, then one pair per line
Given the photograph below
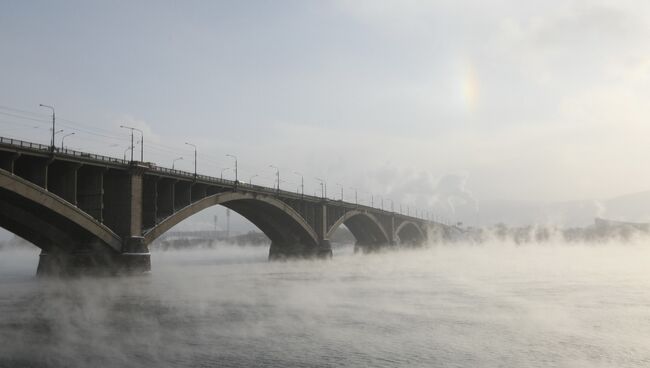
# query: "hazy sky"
x,y
543,100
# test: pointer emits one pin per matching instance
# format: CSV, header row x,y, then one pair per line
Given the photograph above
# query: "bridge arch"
x,y
409,232
365,227
280,222
48,221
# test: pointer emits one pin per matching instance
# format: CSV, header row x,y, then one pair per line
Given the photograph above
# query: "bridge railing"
x,y
232,183
65,151
92,156
152,167
24,144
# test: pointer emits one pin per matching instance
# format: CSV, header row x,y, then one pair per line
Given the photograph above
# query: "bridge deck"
x,y
37,149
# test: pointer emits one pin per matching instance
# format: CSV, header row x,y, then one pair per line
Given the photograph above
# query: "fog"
x,y
524,120
461,305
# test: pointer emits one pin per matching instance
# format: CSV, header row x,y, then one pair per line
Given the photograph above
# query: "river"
x,y
494,305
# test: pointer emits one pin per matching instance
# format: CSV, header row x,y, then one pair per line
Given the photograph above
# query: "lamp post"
x,y
302,183
356,202
63,139
381,201
141,141
322,187
341,185
223,170
277,175
235,158
53,122
174,161
58,131
392,205
250,180
126,150
190,144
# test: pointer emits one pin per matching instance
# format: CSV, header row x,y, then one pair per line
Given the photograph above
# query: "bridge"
x,y
93,213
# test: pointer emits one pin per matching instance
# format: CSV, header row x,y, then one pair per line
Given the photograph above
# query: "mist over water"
x,y
461,305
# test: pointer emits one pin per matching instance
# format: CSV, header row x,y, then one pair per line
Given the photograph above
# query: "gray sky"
x,y
523,100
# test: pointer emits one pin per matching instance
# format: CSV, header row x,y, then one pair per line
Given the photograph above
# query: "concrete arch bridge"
x,y
95,213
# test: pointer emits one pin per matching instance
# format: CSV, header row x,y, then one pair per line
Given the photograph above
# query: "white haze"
x,y
494,305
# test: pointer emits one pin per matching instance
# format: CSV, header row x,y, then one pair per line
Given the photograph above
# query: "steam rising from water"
x,y
461,305
450,189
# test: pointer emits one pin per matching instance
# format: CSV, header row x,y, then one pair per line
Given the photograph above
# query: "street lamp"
x,y
302,183
174,161
322,187
341,185
141,141
190,144
277,175
63,139
53,122
372,199
126,150
250,180
234,157
223,170
356,202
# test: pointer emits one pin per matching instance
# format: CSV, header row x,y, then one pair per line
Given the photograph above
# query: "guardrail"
x,y
65,151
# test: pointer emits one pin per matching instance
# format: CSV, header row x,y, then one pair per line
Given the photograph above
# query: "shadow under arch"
x,y
409,232
288,231
365,227
50,222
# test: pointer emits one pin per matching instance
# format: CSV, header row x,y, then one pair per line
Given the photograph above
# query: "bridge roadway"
x,y
98,214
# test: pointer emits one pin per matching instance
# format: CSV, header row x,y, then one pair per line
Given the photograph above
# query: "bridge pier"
x,y
91,263
280,251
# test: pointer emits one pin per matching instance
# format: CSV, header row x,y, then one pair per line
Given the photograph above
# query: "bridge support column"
x,y
90,191
279,251
7,160
62,180
324,246
165,198
149,201
91,263
135,256
324,249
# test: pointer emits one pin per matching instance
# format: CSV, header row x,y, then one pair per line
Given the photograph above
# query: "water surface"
x,y
495,305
